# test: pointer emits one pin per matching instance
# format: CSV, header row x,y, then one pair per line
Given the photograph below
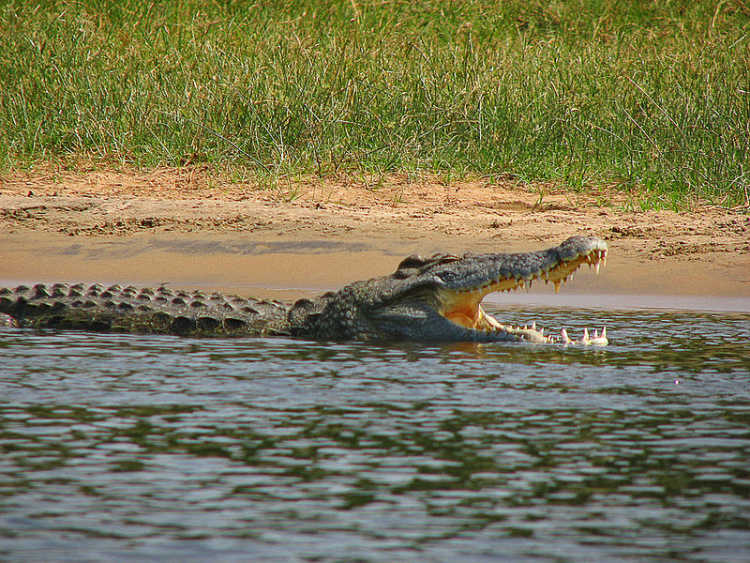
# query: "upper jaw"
x,y
488,273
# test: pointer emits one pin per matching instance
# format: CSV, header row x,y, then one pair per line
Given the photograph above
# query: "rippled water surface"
x,y
130,448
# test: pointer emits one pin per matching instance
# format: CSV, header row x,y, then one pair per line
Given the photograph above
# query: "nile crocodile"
x,y
426,299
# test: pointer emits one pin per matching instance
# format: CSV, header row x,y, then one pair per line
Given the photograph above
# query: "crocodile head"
x,y
439,298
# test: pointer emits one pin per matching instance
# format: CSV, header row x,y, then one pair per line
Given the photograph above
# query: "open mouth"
x,y
463,307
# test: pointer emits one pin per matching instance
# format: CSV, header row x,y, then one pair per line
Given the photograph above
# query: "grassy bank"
x,y
647,95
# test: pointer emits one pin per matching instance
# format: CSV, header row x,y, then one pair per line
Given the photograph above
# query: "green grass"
x,y
646,95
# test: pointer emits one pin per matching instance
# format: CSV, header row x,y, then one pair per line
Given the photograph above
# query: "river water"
x,y
127,448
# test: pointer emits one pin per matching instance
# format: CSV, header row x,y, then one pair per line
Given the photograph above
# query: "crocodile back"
x,y
129,309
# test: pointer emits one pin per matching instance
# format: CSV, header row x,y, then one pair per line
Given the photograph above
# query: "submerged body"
x,y
425,299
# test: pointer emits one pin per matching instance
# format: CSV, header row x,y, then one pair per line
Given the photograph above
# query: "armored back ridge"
x,y
142,310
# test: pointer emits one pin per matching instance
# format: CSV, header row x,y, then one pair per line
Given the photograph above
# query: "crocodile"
x,y
436,298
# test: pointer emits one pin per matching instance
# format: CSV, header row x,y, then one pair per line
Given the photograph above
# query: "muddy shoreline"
x,y
188,228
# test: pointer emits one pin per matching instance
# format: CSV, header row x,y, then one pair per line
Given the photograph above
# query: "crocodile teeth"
x,y
586,340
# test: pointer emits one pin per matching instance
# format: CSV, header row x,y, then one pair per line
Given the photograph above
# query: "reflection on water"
x,y
122,447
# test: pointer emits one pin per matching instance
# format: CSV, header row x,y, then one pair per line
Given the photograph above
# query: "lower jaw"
x,y
487,328
530,333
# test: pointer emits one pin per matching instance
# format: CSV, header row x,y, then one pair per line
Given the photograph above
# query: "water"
x,y
129,448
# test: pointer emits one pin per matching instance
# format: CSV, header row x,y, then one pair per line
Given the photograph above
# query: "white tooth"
x,y
596,333
600,340
596,268
564,336
533,325
585,339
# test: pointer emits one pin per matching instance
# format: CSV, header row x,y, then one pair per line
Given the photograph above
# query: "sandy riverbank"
x,y
186,228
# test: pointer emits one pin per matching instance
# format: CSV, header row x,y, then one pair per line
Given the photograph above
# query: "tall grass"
x,y
652,95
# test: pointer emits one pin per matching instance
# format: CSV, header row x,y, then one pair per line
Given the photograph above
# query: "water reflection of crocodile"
x,y
425,299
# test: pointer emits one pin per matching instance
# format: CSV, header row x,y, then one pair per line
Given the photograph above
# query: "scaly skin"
x,y
425,299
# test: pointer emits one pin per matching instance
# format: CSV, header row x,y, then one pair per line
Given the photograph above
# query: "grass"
x,y
651,96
